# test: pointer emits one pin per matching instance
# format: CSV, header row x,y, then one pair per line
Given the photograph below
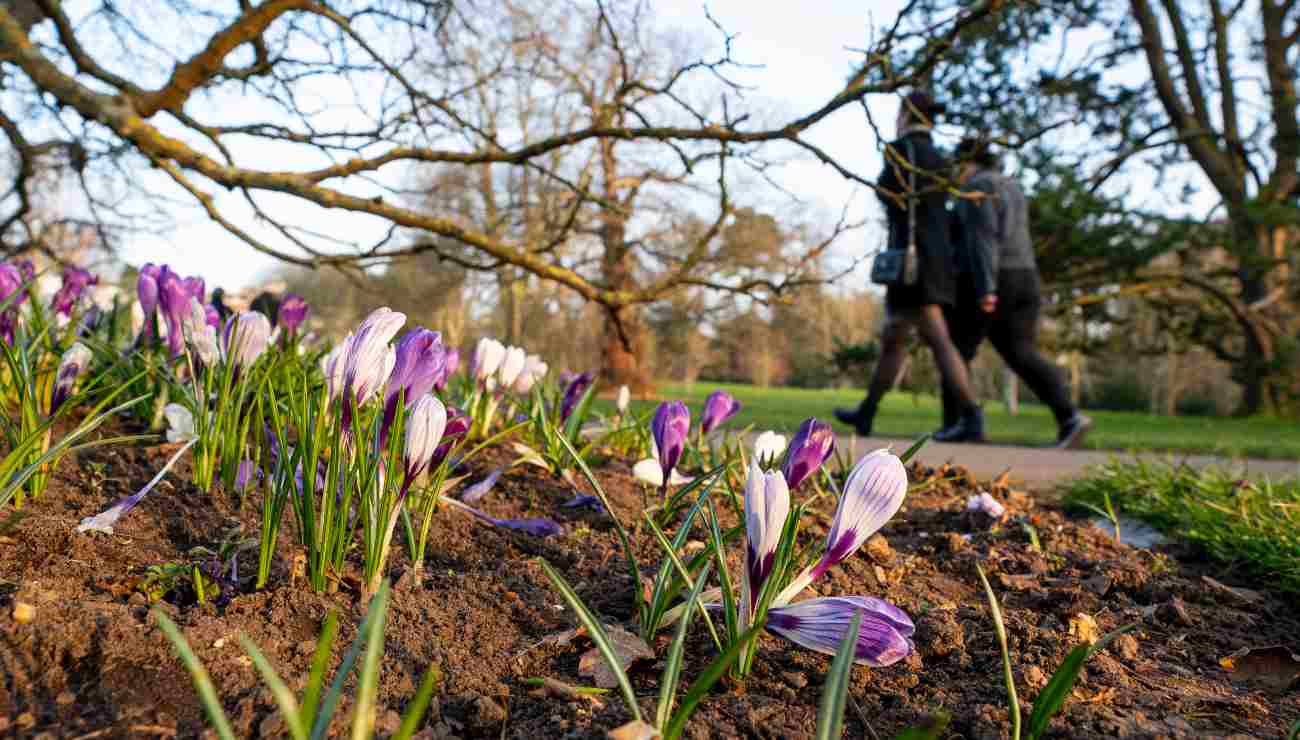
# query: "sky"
x,y
804,60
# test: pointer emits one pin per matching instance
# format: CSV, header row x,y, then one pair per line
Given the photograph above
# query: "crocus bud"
x,y
12,294
624,398
573,393
211,316
246,337
175,303
74,362
180,423
458,423
671,424
812,445
718,407
194,287
425,426
146,288
767,504
419,361
331,366
534,370
292,312
369,359
75,282
243,474
201,336
872,495
768,446
512,364
11,281
884,635
488,355
450,366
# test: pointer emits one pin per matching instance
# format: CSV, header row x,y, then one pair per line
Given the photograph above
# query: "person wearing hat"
x,y
998,289
914,180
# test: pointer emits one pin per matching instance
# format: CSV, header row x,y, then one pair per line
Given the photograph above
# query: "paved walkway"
x,y
1041,468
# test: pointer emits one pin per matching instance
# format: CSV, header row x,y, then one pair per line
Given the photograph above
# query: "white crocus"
x,y
534,370
425,425
768,446
767,505
488,355
370,359
624,398
650,471
180,423
512,364
247,336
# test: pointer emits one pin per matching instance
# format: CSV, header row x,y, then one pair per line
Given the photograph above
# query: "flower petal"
x,y
821,625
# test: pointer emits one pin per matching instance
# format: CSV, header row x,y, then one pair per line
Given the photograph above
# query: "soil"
x,y
93,663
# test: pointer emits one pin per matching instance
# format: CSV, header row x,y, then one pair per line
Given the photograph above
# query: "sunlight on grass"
x,y
907,415
1253,526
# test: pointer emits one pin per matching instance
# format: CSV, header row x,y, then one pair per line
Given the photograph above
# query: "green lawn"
x,y
906,415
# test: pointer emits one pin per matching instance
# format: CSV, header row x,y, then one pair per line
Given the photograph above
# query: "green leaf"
x,y
673,667
1013,702
596,631
931,729
906,457
705,682
835,695
363,717
202,681
1053,696
419,705
283,696
321,659
326,712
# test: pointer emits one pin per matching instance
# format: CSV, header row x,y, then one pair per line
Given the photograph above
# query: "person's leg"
x,y
967,328
1014,334
893,351
952,369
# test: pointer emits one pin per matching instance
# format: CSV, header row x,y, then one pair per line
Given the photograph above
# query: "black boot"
x,y
860,418
969,428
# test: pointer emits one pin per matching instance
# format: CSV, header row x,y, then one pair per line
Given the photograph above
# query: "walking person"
x,y
998,291
911,188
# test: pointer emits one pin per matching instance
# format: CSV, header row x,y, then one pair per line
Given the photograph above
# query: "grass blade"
x,y
682,571
597,633
419,705
283,696
326,713
316,678
931,729
363,717
1013,702
835,695
199,674
705,682
673,667
906,457
1053,696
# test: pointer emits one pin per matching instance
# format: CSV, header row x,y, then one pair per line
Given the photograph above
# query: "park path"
x,y
1042,468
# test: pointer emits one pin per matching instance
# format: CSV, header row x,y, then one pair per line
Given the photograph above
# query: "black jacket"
x,y
936,283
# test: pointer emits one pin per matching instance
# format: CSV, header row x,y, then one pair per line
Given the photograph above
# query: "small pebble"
x,y
24,613
1126,646
1034,676
879,549
220,642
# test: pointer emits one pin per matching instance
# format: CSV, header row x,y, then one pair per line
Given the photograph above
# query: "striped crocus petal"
x,y
872,495
767,505
884,638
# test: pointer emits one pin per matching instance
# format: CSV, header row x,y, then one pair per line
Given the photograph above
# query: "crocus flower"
x,y
872,495
573,393
451,364
243,474
767,505
537,527
174,300
512,364
650,472
246,338
768,446
13,293
624,397
488,355
419,360
884,636
211,316
718,407
202,337
292,312
75,282
368,359
146,288
194,287
812,445
180,423
671,424
474,493
986,504
424,429
458,423
74,362
331,365
534,370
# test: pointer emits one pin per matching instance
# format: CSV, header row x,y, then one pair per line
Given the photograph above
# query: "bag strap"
x,y
911,194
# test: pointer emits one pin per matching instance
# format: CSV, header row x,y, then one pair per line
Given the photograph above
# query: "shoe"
x,y
1073,431
856,418
969,428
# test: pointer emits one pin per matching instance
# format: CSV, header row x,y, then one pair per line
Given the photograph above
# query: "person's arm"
x,y
978,216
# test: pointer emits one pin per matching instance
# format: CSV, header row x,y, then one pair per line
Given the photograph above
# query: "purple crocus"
x,y
74,362
670,426
292,312
211,316
458,423
368,360
246,337
174,300
872,495
243,474
451,363
573,392
13,293
718,407
75,282
425,426
884,637
419,361
812,445
537,527
146,288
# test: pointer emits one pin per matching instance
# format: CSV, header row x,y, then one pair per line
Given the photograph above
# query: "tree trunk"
x,y
624,351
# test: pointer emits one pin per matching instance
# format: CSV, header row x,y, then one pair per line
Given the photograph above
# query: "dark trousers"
x,y
1013,330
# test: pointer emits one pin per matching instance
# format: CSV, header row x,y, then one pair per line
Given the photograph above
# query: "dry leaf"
x,y
1084,628
634,730
628,647
560,690
1245,594
1274,667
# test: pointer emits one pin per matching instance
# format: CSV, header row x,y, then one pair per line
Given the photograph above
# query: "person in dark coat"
x,y
998,289
915,170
